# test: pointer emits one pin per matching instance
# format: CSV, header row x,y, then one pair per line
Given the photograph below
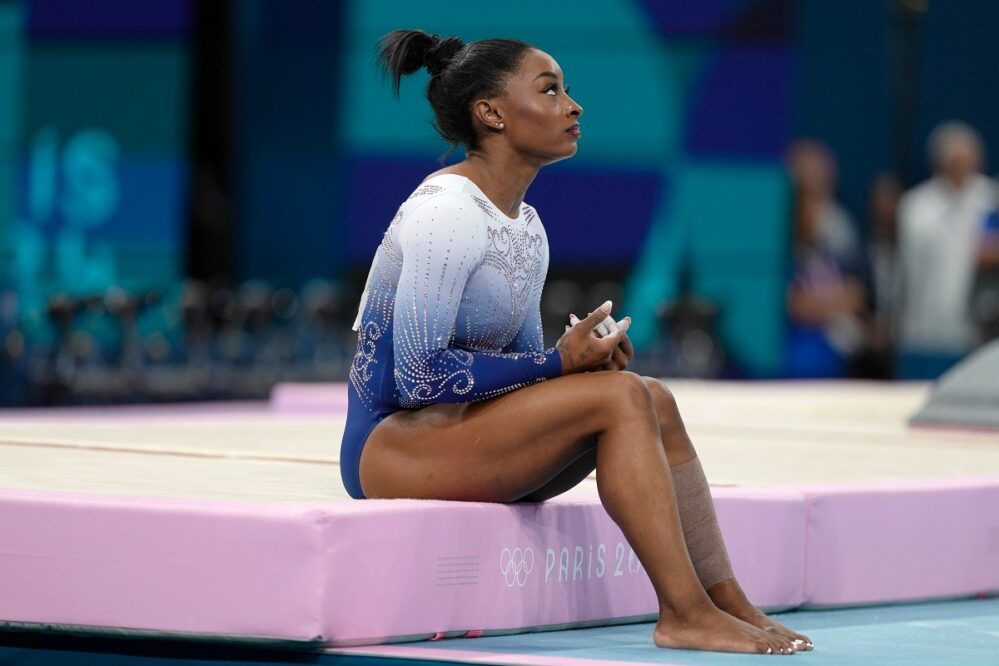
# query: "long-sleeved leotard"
x,y
451,311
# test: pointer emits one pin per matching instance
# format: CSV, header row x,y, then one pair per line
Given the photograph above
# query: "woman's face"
x,y
539,117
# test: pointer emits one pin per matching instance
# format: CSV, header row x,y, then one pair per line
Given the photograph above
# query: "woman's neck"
x,y
504,178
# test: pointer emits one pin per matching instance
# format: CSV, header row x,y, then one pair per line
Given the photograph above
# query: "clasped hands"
x,y
586,346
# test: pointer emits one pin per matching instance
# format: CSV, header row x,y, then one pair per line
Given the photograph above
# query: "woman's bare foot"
x,y
715,630
729,597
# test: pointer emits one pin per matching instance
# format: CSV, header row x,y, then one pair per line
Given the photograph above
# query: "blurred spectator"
x,y
825,296
985,293
942,223
883,279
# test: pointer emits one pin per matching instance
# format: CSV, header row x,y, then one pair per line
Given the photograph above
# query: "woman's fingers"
x,y
623,351
626,346
582,350
595,317
619,360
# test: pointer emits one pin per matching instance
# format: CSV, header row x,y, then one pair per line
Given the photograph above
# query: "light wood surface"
x,y
745,433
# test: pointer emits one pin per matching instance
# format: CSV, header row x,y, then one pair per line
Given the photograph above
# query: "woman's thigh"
x,y
496,450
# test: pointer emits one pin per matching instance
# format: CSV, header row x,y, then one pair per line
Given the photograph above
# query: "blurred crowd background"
x,y
191,192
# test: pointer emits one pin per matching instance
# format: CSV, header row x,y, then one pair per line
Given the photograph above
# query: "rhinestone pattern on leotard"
x,y
451,311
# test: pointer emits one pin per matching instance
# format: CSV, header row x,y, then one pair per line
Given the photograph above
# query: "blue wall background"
x,y
689,106
848,66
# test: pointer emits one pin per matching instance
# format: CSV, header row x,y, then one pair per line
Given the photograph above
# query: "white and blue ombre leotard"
x,y
450,312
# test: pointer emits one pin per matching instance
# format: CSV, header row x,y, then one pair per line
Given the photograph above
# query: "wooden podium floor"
x,y
746,433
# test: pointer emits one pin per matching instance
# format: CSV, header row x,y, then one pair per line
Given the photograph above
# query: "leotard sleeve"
x,y
442,242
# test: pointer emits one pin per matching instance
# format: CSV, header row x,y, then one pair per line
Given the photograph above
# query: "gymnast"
x,y
452,393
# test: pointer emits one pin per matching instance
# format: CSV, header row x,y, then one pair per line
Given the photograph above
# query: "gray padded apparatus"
x,y
966,395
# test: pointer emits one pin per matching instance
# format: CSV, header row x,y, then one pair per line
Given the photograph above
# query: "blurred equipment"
x,y
690,326
200,341
968,395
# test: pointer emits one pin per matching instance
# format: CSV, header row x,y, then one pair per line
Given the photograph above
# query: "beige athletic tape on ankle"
x,y
700,525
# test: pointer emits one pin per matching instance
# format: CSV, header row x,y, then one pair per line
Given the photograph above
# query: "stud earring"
x,y
499,125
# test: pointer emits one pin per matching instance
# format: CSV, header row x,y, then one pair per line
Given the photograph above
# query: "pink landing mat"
x,y
901,541
171,566
292,563
349,572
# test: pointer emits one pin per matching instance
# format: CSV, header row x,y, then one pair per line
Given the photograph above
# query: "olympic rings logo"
x,y
516,564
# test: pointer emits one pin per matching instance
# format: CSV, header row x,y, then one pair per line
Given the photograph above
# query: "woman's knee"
x,y
628,391
662,397
679,448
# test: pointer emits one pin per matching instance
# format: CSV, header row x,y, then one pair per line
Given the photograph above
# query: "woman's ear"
x,y
487,114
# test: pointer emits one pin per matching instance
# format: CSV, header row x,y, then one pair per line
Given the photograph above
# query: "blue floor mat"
x,y
953,632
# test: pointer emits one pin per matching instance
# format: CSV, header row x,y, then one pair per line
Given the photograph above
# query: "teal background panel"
x,y
138,92
727,224
101,172
11,20
615,64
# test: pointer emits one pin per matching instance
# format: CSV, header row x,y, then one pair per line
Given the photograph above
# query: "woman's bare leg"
x,y
727,594
568,478
506,448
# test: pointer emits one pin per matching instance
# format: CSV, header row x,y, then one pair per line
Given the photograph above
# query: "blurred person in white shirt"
x,y
941,228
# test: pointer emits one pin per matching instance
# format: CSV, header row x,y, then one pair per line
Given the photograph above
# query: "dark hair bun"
x,y
441,53
406,51
481,70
